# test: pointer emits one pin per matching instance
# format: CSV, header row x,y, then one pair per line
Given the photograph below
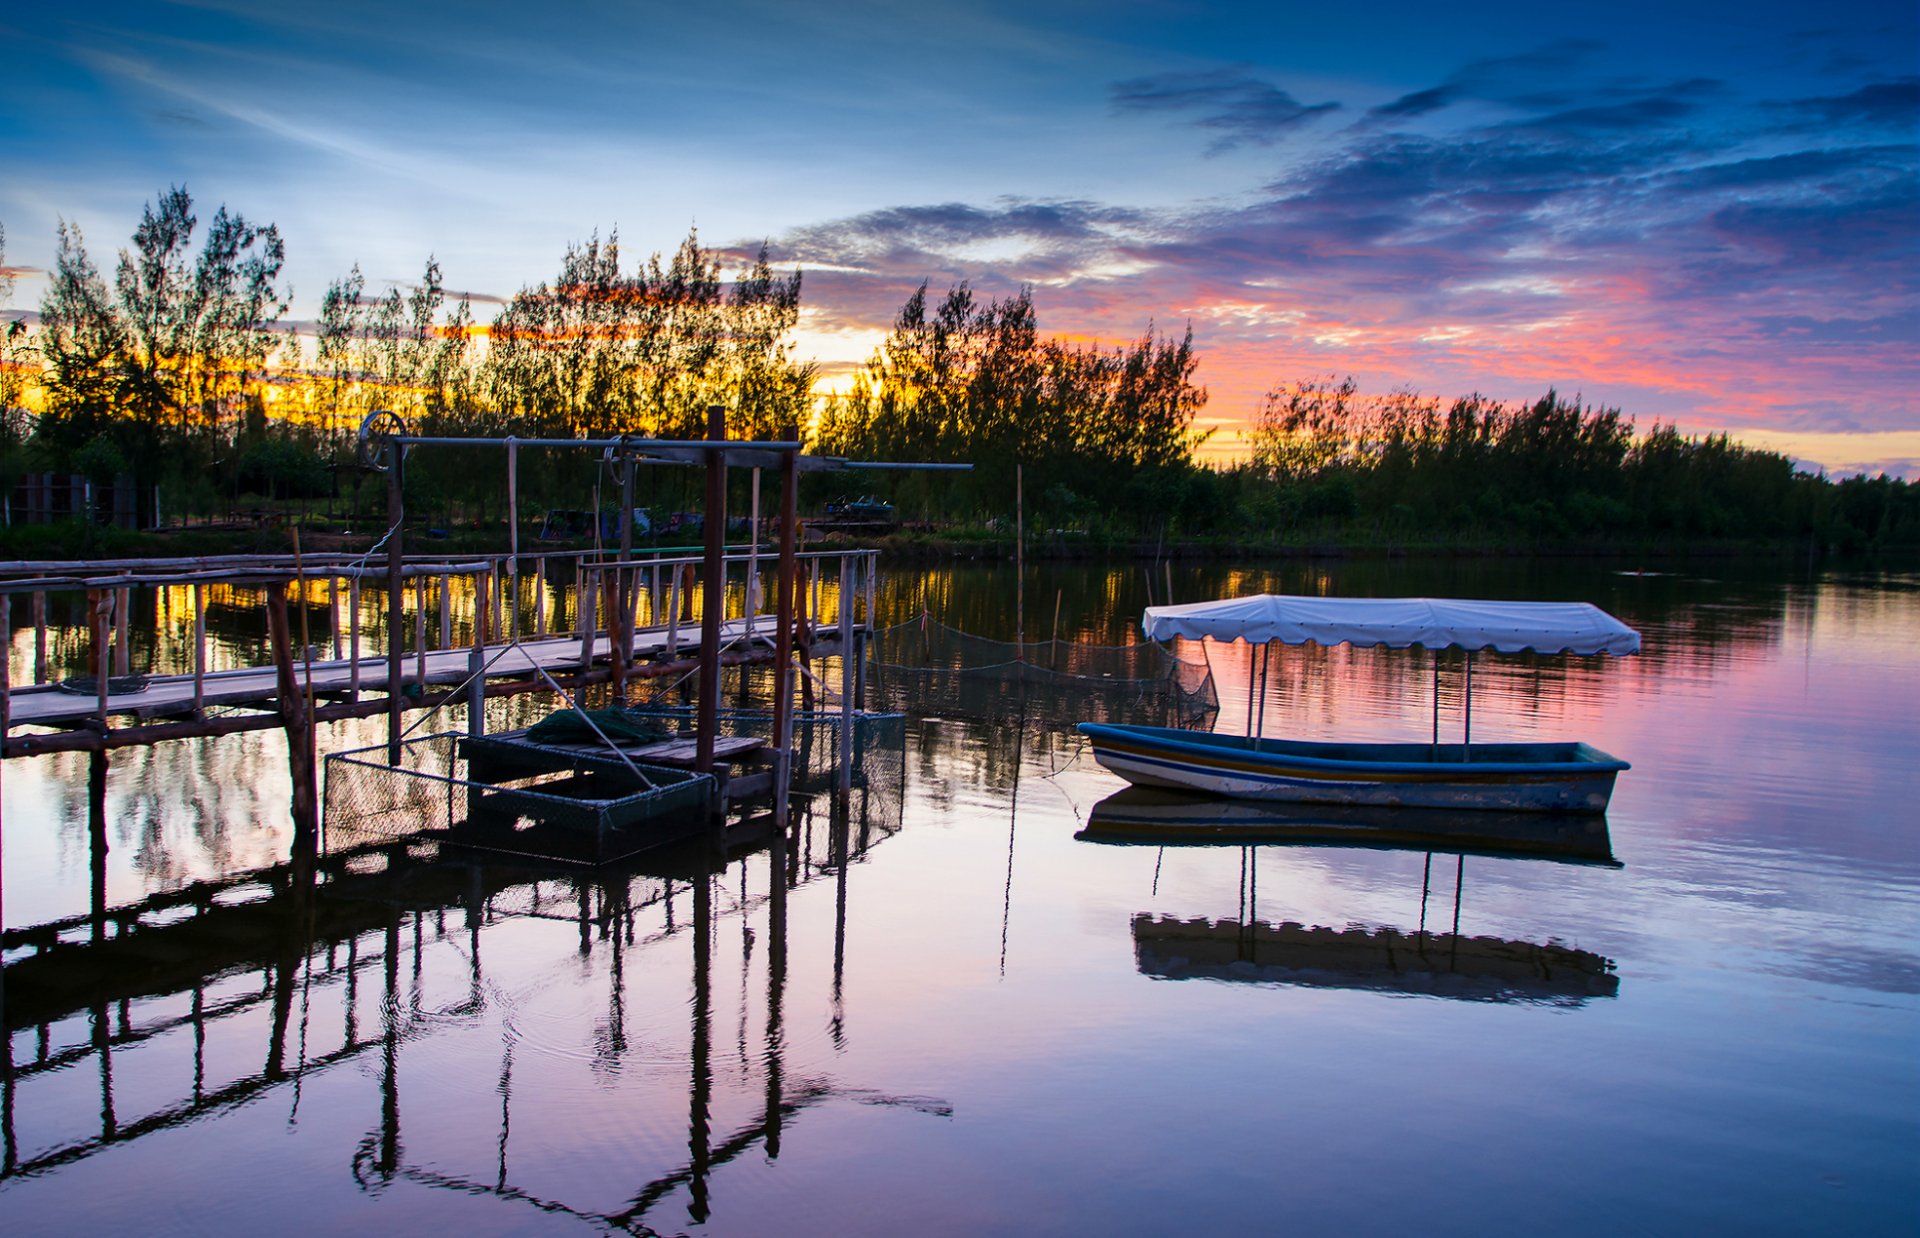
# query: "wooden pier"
x,y
499,632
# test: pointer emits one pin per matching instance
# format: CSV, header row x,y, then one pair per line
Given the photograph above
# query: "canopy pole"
x,y
1434,750
1251,677
1266,658
1466,731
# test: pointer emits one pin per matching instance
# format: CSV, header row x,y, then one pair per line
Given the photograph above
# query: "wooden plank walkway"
x,y
173,695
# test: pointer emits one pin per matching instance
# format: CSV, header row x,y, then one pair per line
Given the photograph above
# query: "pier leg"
x,y
396,520
713,599
783,675
39,638
97,838
296,719
846,679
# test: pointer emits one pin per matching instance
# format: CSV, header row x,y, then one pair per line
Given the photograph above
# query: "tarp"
x,y
1433,623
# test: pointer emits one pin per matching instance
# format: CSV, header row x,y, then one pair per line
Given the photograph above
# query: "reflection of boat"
x,y
1550,777
1438,964
1162,818
1385,959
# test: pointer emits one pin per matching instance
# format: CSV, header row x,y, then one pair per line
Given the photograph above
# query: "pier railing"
x,y
466,606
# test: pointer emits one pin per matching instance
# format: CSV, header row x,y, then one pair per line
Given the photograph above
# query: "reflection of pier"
x,y
317,970
1431,963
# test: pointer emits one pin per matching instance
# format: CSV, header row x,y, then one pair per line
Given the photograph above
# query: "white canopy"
x,y
1435,623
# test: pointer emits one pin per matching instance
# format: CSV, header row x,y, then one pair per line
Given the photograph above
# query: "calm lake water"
x,y
957,1019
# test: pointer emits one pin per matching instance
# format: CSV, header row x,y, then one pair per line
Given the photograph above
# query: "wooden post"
x,y
623,611
102,600
513,529
673,618
540,596
1020,559
783,656
446,611
6,669
123,628
420,632
294,716
477,685
396,520
199,649
353,637
713,598
751,604
584,598
846,679
333,612
39,637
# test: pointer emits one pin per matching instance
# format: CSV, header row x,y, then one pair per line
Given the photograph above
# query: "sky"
x,y
1700,213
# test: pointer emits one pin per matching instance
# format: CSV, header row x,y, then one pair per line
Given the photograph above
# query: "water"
x,y
955,1031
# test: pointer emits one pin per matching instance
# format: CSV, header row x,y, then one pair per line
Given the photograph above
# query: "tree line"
x,y
181,372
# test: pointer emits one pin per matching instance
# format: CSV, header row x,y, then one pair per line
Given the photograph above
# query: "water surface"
x,y
946,1022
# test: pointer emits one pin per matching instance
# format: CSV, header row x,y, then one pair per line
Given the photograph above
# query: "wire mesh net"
x,y
925,666
499,793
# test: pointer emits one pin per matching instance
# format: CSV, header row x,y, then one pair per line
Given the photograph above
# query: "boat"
x,y
1515,777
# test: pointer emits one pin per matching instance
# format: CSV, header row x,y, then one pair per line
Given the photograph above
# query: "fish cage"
x,y
581,807
924,665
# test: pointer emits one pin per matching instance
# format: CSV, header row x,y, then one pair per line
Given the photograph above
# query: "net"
x,y
573,804
924,666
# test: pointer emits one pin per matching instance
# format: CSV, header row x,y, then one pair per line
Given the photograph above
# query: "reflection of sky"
x,y
1697,211
995,1056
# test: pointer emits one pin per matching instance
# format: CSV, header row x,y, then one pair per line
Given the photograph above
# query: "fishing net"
x,y
580,805
923,666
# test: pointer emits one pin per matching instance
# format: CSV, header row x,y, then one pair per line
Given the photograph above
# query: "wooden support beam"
x,y
294,716
783,667
713,598
396,522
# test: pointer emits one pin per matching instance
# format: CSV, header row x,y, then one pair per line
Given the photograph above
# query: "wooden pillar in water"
x,y
713,599
783,676
513,533
396,519
97,838
39,638
846,676
623,609
296,718
199,649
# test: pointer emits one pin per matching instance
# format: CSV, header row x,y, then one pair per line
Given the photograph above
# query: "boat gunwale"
x,y
1586,758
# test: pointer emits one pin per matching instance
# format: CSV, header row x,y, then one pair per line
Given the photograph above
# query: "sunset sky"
x,y
1698,212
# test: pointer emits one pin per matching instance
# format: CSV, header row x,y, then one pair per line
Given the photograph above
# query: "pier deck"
x,y
173,695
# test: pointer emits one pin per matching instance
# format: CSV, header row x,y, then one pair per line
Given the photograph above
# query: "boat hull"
x,y
1565,777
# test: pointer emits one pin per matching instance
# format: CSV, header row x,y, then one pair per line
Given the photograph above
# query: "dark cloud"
x,y
1239,107
1895,104
1809,167
1419,103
